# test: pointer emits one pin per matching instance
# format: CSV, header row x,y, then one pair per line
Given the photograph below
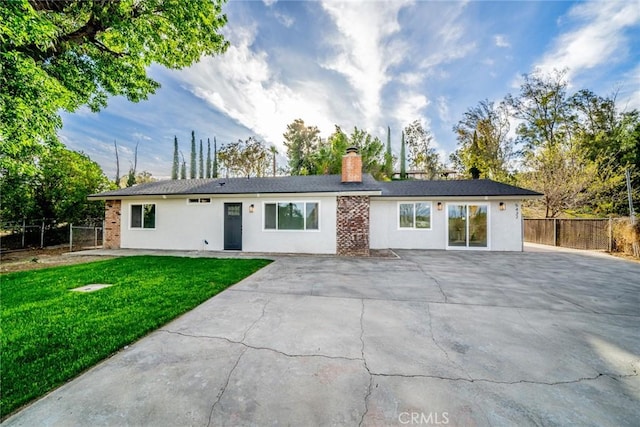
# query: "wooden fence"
x,y
594,234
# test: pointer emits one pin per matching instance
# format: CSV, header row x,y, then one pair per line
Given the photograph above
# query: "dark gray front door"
x,y
233,226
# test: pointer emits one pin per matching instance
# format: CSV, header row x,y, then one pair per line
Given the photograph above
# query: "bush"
x,y
626,237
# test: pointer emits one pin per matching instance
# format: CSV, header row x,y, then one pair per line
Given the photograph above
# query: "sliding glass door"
x,y
467,226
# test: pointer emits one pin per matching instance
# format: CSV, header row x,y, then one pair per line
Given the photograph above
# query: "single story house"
x,y
347,214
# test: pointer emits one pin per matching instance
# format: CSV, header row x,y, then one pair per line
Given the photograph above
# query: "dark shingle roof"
x,y
453,188
320,184
281,184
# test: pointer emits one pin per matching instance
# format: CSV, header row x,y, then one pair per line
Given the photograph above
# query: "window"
x,y
197,201
234,210
143,216
291,216
414,215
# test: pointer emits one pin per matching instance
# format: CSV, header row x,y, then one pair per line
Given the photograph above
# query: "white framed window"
x,y
414,215
299,215
143,216
201,200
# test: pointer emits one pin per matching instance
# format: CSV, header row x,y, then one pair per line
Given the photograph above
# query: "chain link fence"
x,y
85,237
41,233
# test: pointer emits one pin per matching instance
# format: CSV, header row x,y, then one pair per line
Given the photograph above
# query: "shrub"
x,y
626,237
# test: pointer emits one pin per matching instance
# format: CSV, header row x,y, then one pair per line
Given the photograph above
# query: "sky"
x,y
369,64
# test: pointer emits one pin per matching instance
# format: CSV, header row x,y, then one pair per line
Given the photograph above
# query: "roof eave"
x,y
462,197
95,197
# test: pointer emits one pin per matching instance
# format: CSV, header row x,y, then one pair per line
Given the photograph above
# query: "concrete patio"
x,y
458,338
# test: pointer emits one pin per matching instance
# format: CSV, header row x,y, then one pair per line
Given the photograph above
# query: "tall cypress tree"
x,y
208,158
117,181
193,172
403,160
201,165
214,172
175,170
388,157
183,169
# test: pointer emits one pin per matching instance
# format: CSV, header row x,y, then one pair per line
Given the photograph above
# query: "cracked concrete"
x,y
459,338
366,397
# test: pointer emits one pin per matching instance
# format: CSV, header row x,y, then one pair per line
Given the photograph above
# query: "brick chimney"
x,y
352,166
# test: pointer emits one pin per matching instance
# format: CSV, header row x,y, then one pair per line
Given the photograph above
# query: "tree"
x,y
117,180
60,55
208,158
483,141
549,156
561,175
371,149
214,167
543,109
57,191
403,159
131,176
66,179
328,157
388,156
201,163
274,153
183,167
301,142
144,177
610,140
176,159
422,156
193,173
245,158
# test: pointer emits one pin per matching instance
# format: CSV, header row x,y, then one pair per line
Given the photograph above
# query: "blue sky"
x,y
369,64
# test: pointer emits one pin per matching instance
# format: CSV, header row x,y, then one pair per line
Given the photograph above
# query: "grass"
x,y
49,335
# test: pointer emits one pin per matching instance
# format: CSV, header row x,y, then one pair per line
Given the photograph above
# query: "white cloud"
x,y
629,95
501,41
365,50
241,85
138,136
284,19
598,40
449,44
443,109
446,56
269,2
409,107
411,78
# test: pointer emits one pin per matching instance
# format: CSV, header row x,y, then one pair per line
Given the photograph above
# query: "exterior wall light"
x,y
439,206
503,206
251,208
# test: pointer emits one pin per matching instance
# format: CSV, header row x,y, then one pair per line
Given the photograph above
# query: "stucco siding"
x,y
322,241
504,227
184,226
386,233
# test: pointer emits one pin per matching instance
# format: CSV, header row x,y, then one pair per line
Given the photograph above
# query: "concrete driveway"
x,y
432,338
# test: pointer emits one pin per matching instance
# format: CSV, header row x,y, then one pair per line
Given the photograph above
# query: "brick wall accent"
x,y
112,215
352,167
352,226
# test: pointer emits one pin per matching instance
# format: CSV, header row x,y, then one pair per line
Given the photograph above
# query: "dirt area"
x,y
33,259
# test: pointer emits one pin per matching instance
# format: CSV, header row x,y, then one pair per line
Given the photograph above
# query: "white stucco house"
x,y
347,214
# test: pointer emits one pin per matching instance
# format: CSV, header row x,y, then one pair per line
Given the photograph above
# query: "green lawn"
x,y
49,335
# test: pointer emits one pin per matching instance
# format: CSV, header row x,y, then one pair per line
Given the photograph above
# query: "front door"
x,y
233,226
467,226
